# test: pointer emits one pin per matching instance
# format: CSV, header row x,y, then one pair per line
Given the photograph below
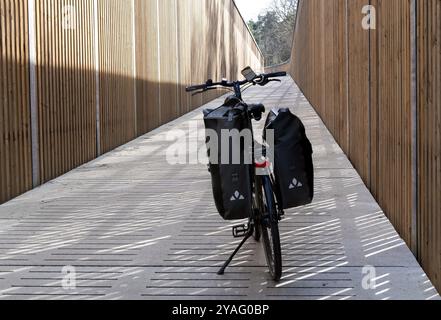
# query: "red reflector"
x,y
262,165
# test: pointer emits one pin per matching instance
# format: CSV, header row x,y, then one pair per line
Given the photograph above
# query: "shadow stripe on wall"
x,y
95,89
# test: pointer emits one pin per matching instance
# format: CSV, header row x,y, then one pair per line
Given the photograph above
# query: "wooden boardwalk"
x,y
131,226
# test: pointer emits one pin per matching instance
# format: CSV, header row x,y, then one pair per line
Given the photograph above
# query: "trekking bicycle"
x,y
266,210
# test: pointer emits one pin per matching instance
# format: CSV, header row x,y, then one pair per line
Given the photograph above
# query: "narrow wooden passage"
x,y
129,225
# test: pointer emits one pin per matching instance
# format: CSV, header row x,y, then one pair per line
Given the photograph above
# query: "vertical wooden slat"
x,y
3,195
13,95
374,105
7,97
3,170
20,178
184,38
51,86
168,46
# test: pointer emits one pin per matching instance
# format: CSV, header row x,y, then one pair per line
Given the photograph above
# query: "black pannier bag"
x,y
293,164
231,182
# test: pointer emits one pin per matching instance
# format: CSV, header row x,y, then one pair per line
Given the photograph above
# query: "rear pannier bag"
x,y
231,182
293,164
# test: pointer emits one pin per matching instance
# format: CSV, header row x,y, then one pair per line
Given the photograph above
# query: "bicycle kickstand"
x,y
222,270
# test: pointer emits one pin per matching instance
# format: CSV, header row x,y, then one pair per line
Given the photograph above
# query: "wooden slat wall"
x,y
197,56
321,67
66,87
169,60
147,65
392,90
429,137
358,88
185,28
360,82
117,100
211,24
15,155
146,57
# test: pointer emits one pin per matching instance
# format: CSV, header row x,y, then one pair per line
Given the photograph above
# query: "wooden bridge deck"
x,y
131,226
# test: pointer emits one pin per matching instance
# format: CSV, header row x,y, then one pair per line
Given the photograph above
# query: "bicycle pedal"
x,y
240,231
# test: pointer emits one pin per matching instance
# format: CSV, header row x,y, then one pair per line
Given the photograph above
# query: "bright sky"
x,y
250,9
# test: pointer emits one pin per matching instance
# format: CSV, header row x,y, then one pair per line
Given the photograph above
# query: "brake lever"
x,y
275,80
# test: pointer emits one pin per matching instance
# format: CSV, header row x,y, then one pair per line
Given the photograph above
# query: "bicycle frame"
x,y
266,181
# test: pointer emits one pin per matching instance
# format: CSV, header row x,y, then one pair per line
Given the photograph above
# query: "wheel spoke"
x,y
270,232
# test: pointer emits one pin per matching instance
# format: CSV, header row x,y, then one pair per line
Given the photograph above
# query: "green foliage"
x,y
274,31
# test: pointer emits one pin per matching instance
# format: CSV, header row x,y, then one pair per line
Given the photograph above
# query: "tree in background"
x,y
274,31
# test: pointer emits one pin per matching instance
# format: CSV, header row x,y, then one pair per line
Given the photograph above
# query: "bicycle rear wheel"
x,y
256,218
269,226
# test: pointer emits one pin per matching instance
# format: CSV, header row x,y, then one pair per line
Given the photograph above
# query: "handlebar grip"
x,y
194,88
276,74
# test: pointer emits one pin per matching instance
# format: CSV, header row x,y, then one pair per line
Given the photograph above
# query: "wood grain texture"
x,y
148,52
15,144
117,101
66,86
360,82
429,137
147,65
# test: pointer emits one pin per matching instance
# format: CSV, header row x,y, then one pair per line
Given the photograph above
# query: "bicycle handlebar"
x,y
194,88
261,79
276,74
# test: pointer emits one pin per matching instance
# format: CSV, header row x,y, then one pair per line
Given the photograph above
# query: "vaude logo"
x,y
295,184
237,196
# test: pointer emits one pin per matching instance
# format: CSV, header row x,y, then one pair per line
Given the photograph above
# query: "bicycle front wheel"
x,y
269,225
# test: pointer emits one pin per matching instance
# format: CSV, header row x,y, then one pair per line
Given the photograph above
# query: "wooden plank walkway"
x,y
132,226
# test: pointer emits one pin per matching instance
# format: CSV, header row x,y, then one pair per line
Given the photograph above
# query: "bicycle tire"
x,y
256,218
269,227
256,234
